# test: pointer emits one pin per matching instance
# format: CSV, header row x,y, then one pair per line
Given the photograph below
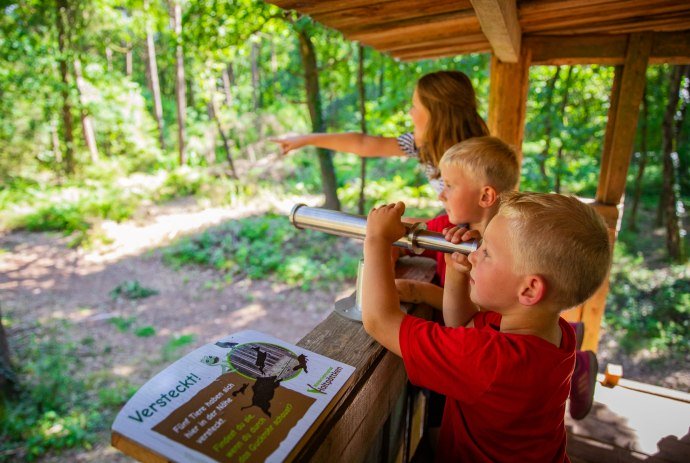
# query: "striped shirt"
x,y
406,144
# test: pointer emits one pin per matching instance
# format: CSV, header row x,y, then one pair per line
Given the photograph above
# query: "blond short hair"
x,y
560,238
487,159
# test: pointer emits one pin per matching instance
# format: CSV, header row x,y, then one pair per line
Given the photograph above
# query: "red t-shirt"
x,y
437,224
505,393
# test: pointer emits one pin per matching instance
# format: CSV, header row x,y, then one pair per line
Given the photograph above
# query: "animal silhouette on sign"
x,y
302,359
260,358
240,390
226,345
264,389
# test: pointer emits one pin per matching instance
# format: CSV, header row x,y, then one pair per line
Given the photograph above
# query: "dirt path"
x,y
41,279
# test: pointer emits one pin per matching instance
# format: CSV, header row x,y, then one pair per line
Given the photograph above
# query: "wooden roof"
x,y
417,29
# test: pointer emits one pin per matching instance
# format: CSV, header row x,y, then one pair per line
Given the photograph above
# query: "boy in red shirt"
x,y
475,172
505,370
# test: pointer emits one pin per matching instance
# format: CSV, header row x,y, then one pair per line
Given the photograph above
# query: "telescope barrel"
x,y
416,239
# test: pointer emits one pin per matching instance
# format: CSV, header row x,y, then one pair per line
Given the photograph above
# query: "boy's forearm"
x,y
381,313
420,292
458,308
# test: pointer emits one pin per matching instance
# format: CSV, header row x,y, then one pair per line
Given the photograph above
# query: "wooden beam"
x,y
430,26
565,16
508,99
674,23
499,22
667,47
316,8
592,310
626,95
670,48
384,14
578,49
442,52
431,45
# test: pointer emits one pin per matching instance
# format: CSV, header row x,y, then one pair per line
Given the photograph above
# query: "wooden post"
x,y
508,99
626,96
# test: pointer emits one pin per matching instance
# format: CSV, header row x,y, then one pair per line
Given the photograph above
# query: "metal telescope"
x,y
417,238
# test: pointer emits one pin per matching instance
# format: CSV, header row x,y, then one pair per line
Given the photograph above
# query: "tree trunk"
x,y
154,85
227,84
55,138
226,144
179,80
66,105
311,77
86,120
363,125
642,164
109,58
211,158
256,86
559,154
682,136
548,123
128,59
382,74
669,185
191,94
274,58
8,378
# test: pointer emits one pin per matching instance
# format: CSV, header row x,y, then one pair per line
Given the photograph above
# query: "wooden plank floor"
x,y
629,425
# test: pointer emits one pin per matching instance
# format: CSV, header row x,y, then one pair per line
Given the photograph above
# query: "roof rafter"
x,y
499,22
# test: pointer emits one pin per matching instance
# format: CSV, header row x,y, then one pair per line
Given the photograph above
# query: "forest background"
x,y
108,107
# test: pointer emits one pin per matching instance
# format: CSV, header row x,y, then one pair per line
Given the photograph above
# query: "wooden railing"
x,y
373,420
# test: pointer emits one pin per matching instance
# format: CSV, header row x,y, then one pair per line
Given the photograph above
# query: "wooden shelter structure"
x,y
628,34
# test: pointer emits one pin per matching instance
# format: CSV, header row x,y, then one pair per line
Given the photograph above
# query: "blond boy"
x,y
474,172
506,372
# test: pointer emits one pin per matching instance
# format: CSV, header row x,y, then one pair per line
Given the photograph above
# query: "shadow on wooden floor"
x,y
632,423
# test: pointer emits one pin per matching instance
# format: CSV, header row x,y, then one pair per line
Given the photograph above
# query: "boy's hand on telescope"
x,y
458,260
383,223
288,144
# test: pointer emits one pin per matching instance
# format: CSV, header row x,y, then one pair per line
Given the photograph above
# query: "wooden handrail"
x,y
353,425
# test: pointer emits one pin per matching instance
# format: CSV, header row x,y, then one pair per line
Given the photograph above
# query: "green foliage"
x,y
650,309
172,347
116,395
257,247
145,331
123,324
132,289
180,183
648,306
55,409
70,209
56,217
565,123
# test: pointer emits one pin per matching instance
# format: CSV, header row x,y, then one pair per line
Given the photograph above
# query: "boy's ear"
x,y
533,290
489,196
